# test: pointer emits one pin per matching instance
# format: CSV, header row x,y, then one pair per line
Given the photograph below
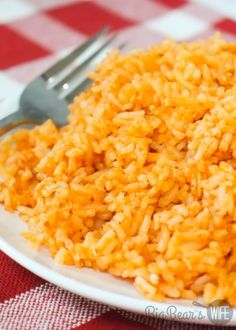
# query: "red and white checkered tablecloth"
x,y
33,34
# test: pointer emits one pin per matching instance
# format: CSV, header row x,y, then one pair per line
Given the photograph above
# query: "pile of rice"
x,y
142,181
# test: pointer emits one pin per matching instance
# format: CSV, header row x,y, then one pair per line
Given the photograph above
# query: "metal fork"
x,y
48,95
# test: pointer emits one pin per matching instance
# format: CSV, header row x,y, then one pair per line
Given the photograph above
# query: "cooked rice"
x,y
142,181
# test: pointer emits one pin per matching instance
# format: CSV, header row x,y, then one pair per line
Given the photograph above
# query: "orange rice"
x,y
142,181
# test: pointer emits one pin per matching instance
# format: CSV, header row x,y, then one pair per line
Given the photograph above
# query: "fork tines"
x,y
67,60
67,84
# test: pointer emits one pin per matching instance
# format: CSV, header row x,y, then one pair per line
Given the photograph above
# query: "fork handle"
x,y
14,120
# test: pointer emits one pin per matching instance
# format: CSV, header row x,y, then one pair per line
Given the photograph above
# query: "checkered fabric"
x,y
33,35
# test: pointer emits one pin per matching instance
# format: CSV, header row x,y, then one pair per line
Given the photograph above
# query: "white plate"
x,y
95,285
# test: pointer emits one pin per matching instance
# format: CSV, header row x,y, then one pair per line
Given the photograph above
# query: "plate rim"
x,y
130,304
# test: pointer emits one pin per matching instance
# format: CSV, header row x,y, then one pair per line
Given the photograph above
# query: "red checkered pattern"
x,y
33,34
